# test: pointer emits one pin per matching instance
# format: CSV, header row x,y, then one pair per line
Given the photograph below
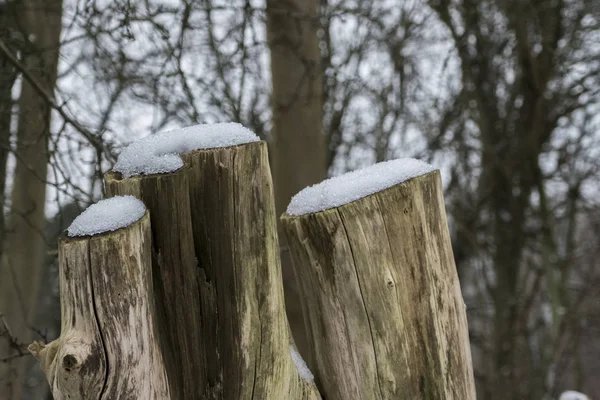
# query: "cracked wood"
x,y
218,211
381,298
108,347
247,334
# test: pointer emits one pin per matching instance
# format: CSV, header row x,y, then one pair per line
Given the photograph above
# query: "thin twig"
x,y
13,343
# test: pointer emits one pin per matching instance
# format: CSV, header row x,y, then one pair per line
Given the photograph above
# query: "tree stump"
x,y
235,236
381,298
379,288
219,275
108,347
175,275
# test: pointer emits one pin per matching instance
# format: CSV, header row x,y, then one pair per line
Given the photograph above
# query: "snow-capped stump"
x,y
160,153
107,215
372,256
217,251
108,346
354,185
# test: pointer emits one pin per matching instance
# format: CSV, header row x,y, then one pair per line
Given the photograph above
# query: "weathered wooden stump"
x,y
174,271
381,297
108,343
186,301
235,236
217,265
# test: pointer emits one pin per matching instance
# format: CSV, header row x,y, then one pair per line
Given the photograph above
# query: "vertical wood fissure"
x,y
259,358
97,320
355,266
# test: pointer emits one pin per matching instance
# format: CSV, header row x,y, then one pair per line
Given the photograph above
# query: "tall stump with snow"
x,y
108,346
221,214
175,275
379,288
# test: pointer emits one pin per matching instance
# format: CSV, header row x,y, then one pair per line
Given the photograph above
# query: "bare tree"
x,y
40,25
516,126
297,139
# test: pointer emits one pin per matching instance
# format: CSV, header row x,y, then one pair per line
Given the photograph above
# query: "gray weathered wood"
x,y
224,309
381,298
235,236
108,347
175,275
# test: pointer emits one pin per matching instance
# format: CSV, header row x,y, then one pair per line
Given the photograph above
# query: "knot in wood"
x,y
69,362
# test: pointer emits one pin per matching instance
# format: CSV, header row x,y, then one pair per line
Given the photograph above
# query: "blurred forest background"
x,y
502,95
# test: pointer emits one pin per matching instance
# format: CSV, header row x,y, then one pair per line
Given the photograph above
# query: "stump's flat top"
x,y
107,215
157,154
355,185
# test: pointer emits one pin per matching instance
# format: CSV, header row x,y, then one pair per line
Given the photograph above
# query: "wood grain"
x,y
381,298
174,273
218,276
108,347
235,236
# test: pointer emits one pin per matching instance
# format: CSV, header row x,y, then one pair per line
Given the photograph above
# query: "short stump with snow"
x,y
355,185
159,154
107,216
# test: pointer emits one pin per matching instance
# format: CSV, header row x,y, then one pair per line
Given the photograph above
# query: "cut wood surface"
x,y
381,298
174,273
108,347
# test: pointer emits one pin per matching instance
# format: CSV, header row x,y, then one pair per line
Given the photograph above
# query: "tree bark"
x,y
235,236
219,208
298,144
108,346
174,273
381,296
24,245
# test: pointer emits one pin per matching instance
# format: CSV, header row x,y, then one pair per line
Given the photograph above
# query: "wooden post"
x,y
108,347
175,275
381,297
235,236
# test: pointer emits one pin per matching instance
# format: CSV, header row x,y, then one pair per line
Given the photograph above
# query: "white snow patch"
x,y
355,185
107,215
573,395
301,366
157,154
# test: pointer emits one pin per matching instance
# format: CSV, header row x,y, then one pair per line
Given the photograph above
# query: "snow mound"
x,y
573,395
355,185
301,366
107,215
157,154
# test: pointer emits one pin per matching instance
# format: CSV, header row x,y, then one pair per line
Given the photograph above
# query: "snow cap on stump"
x,y
159,154
355,185
107,215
